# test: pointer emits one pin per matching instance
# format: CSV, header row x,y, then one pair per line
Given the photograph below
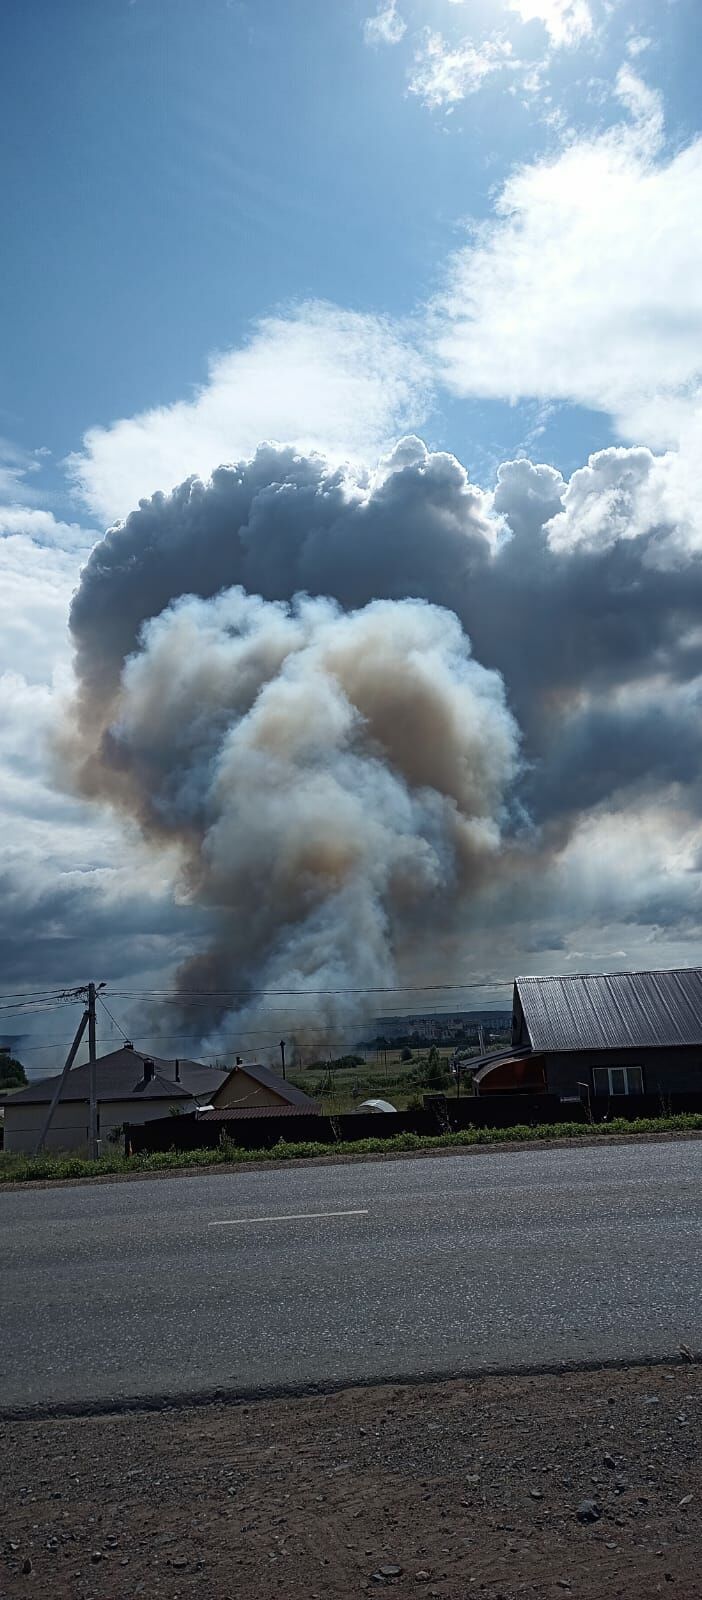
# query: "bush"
x,y
406,1054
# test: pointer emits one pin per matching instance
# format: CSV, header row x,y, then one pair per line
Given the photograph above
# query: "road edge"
x,y
230,1396
232,1168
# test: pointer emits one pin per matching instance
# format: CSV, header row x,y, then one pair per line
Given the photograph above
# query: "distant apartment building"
x,y
442,1027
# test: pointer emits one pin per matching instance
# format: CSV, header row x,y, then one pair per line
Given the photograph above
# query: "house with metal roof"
x,y
617,1033
131,1087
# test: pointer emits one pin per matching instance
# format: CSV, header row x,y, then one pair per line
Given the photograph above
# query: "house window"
x,y
618,1080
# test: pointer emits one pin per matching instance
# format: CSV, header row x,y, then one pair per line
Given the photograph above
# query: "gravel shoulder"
x,y
468,1488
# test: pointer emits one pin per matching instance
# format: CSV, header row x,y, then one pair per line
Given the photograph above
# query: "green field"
x,y
381,1074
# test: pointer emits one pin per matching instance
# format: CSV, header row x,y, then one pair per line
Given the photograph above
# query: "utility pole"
x,y
282,1054
70,1058
92,1059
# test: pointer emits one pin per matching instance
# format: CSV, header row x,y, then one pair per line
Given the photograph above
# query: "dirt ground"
x,y
443,1491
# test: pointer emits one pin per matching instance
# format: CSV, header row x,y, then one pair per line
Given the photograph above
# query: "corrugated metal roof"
x,y
613,1011
310,1109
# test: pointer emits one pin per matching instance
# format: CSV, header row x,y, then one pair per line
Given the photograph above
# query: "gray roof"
x,y
120,1076
269,1079
613,1011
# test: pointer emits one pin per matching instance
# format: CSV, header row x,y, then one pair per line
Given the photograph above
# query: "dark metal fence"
x,y
261,1133
439,1115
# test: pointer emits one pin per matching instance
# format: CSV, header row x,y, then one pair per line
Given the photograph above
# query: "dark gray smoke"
x,y
274,670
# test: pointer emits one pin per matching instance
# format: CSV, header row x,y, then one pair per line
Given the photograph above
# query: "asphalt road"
x,y
255,1281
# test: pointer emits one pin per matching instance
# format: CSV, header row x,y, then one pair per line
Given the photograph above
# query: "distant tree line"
x,y
12,1073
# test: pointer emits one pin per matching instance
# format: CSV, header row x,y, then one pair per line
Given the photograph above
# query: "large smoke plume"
x,y
276,672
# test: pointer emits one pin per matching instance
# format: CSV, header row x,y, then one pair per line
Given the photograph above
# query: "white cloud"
x,y
44,528
319,378
587,286
36,584
17,467
566,21
444,75
386,27
68,874
637,44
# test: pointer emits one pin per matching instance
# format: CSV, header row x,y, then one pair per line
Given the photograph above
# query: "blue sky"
x,y
328,224
180,169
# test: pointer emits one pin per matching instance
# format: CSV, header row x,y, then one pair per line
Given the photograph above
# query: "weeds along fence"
x,y
440,1115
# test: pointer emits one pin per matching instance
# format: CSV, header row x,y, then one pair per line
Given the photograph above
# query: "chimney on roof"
x,y
149,1069
128,1044
177,1071
238,1061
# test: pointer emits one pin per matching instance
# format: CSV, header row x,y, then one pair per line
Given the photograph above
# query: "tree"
x,y
12,1073
437,1072
406,1054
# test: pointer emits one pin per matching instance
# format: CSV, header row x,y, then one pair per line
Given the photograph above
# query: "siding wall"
x,y
673,1070
69,1129
241,1090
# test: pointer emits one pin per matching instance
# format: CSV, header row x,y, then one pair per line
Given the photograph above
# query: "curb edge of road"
x,y
230,1396
235,1168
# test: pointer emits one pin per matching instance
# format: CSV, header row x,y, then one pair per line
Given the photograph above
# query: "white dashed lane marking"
x,y
295,1216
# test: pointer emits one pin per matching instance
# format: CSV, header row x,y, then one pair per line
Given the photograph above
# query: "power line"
x,y
22,1001
205,995
112,1019
37,994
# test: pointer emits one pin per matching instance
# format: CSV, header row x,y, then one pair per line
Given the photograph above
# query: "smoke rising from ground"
x,y
331,778
358,702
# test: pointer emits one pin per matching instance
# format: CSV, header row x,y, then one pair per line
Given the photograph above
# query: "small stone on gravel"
x,y
588,1511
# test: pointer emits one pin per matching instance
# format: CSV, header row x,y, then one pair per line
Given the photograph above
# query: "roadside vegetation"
x,y
22,1169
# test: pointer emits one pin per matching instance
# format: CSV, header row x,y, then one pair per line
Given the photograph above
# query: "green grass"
x,y
20,1169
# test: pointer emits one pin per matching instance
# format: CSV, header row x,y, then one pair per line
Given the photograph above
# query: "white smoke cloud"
x,y
330,779
630,494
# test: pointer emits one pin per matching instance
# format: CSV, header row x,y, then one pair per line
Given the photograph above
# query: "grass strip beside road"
x,y
55,1168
